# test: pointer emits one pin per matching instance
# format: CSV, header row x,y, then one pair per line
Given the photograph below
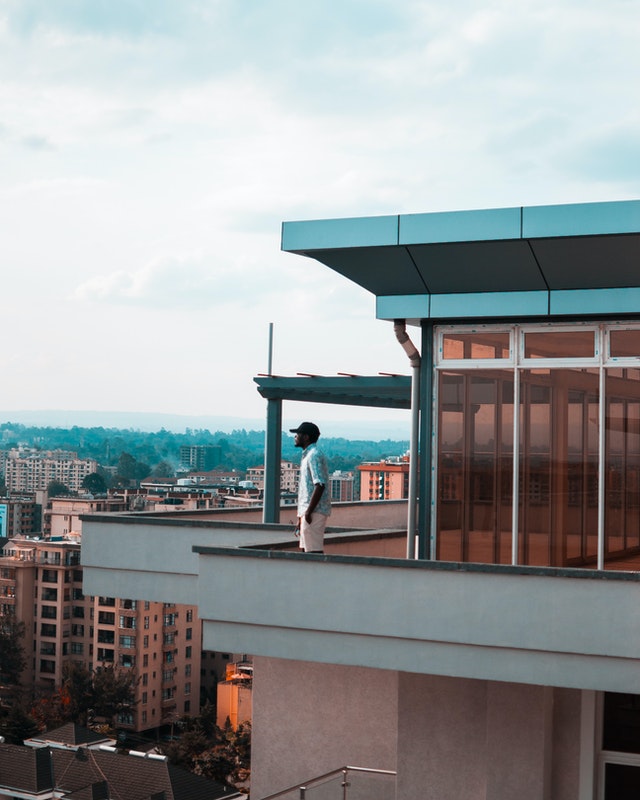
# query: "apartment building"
x,y
20,515
62,515
387,479
341,486
500,647
200,457
41,582
29,470
289,476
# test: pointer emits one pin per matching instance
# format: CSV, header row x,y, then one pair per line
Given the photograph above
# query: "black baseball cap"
x,y
310,428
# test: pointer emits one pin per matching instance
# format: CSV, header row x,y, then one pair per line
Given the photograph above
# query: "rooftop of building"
x,y
547,260
87,774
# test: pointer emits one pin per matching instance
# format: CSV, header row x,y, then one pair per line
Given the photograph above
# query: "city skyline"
x,y
151,151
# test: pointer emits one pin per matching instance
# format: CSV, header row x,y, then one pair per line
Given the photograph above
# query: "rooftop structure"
x,y
504,653
36,772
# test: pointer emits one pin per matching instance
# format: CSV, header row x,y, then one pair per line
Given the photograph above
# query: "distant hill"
x,y
178,423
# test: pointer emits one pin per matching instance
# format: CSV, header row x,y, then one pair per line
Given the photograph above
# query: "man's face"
x,y
301,440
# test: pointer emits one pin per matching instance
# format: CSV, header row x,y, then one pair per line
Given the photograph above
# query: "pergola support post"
x,y
272,461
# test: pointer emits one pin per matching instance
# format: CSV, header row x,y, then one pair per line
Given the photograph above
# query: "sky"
x,y
150,150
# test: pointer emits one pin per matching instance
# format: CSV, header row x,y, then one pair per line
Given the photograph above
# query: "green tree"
x,y
130,469
163,470
17,725
77,683
94,483
84,695
229,759
113,691
58,489
12,656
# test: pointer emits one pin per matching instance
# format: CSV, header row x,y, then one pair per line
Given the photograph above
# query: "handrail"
x,y
333,773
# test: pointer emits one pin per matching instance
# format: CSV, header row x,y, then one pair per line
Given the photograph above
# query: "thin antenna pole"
x,y
270,362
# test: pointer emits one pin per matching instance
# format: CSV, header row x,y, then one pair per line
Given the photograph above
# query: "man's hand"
x,y
308,516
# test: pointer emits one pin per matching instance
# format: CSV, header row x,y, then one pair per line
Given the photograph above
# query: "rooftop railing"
x,y
344,783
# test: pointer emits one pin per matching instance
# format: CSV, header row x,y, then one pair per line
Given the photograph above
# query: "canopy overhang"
x,y
541,261
377,391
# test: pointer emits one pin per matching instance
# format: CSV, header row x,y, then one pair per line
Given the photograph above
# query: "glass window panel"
x,y
558,472
621,782
474,467
622,468
479,344
621,723
559,344
624,344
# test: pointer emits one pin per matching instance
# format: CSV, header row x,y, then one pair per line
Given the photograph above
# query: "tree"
x,y
12,656
229,760
113,691
51,709
130,469
163,470
84,694
58,489
17,725
94,483
77,683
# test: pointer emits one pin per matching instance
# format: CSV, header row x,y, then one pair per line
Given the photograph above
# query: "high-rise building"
x,y
20,515
289,476
41,583
387,479
30,470
200,457
341,486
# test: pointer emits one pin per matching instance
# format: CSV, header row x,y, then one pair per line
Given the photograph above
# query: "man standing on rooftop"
x,y
314,501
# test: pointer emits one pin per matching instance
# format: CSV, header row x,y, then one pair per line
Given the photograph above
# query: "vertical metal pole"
x,y
425,545
515,480
413,462
272,459
602,422
270,358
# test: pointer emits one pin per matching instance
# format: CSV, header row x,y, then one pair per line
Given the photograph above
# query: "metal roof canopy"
x,y
568,260
382,391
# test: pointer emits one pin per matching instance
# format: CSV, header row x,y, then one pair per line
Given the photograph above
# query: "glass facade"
x,y
538,444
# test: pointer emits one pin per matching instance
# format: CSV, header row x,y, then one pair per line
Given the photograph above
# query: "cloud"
x,y
181,283
103,17
36,143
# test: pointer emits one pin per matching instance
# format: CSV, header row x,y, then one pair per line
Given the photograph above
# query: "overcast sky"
x,y
150,150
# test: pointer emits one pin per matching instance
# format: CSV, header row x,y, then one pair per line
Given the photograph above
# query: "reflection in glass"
x,y
479,344
559,458
475,467
622,467
559,344
624,344
558,520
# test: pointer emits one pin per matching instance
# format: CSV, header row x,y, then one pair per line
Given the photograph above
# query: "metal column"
x,y
425,487
272,461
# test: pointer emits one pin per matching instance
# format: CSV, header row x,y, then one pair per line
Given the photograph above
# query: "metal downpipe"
x,y
400,330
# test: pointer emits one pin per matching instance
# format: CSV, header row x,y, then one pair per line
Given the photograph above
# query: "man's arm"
x,y
318,491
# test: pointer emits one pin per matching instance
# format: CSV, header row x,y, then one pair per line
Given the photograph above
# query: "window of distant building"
x,y
538,455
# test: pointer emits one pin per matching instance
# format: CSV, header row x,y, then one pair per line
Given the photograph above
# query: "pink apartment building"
x,y
41,583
